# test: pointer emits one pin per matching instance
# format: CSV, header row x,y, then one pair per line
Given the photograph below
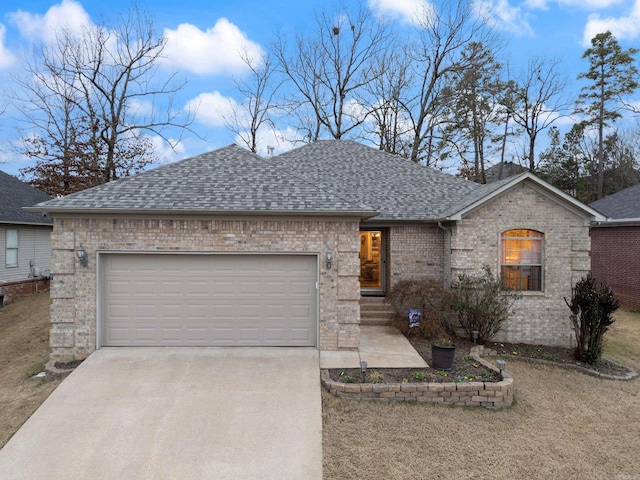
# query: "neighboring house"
x,y
25,246
503,170
615,245
228,248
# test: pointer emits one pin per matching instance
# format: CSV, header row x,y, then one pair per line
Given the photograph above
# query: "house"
x,y
503,170
227,248
615,252
24,239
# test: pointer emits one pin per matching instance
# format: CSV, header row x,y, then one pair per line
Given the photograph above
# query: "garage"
x,y
208,299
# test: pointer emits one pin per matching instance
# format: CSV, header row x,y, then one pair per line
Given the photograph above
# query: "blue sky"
x,y
204,37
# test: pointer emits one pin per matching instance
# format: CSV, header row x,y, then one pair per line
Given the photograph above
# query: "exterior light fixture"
x,y
82,256
329,259
475,335
363,370
501,365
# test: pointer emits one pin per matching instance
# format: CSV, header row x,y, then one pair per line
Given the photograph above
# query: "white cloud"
x,y
67,15
582,4
623,27
164,152
6,57
280,140
410,11
213,51
590,4
212,108
501,15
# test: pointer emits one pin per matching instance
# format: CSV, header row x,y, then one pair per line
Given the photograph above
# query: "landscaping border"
x,y
492,395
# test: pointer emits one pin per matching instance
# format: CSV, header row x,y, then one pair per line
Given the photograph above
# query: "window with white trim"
x,y
11,248
522,260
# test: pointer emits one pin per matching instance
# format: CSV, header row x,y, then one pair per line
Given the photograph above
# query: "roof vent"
x,y
270,151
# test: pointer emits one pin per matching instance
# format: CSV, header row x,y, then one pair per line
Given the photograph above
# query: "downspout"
x,y
446,274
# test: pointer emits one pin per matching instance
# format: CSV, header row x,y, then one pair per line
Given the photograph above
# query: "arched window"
x,y
522,260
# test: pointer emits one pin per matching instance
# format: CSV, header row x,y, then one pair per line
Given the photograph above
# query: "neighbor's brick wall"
x,y
538,318
22,288
416,253
615,259
73,290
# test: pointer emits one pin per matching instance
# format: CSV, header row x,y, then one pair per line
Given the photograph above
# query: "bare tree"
x,y
84,96
535,101
329,68
435,59
258,91
388,122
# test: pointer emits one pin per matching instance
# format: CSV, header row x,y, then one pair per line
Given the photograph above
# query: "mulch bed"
x,y
556,355
465,369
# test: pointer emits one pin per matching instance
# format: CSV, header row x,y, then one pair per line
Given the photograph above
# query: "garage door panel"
x,y
213,300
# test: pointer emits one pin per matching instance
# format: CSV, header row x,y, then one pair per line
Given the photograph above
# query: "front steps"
x,y
374,311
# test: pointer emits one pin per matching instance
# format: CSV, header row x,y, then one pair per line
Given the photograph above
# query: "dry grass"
x,y
564,425
24,349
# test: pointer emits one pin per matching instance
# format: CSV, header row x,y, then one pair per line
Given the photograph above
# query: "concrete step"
x,y
374,311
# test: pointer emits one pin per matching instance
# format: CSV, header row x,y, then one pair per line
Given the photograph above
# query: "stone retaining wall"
x,y
493,395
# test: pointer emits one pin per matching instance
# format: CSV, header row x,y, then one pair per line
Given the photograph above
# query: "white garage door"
x,y
208,300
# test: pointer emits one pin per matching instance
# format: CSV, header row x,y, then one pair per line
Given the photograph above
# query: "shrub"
x,y
481,304
427,295
592,305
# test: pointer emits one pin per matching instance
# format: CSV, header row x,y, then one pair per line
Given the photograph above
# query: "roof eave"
x,y
362,214
22,222
617,222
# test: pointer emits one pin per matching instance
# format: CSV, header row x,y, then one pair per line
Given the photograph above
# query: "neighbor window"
x,y
522,260
11,248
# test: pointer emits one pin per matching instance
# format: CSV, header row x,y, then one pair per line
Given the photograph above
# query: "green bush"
x,y
480,303
427,295
592,305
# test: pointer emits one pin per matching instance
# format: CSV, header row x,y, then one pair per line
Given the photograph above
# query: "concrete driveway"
x,y
177,413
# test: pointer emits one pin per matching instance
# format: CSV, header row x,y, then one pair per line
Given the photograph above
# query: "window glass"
x,y
11,247
522,260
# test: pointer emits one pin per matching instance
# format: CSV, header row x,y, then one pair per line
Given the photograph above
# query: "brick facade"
x,y
615,260
539,317
74,288
416,253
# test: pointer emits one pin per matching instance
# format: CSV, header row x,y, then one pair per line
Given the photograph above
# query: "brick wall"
x,y
73,290
539,317
416,252
615,259
22,288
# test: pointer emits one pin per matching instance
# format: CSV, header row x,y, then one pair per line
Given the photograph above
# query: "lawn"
x,y
564,424
24,349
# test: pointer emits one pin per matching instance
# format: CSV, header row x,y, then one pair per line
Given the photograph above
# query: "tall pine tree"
x,y
612,76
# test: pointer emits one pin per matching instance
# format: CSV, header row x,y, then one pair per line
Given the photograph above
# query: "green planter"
x,y
442,356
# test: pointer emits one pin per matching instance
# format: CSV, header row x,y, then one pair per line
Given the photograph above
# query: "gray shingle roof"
x,y
230,179
476,195
14,195
622,204
398,188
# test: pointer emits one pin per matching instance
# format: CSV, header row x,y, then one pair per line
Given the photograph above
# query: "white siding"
x,y
34,243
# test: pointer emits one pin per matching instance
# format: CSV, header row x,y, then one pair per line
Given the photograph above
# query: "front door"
x,y
372,262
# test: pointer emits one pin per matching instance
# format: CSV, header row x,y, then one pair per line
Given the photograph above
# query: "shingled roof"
x,y
228,180
14,195
620,205
396,187
329,177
